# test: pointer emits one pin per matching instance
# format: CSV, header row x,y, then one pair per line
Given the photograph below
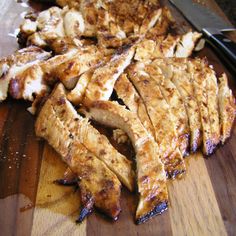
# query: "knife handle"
x,y
226,47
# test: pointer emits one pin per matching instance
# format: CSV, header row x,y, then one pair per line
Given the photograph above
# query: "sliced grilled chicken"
x,y
126,91
113,23
175,102
176,71
95,142
213,106
199,80
27,82
163,24
149,49
102,148
167,46
69,71
77,94
98,184
151,178
160,115
50,66
13,65
227,108
187,44
103,79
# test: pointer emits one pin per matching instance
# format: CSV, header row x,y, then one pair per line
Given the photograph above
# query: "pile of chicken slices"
x,y
77,54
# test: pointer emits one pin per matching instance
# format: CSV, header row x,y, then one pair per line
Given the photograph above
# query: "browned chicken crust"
x,y
160,115
151,178
57,123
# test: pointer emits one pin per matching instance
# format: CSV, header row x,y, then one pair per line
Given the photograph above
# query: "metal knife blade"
x,y
200,16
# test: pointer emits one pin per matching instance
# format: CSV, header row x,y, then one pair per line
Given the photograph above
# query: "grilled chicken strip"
x,y
151,177
160,115
96,143
176,71
98,184
113,23
227,108
14,65
175,102
76,95
126,91
69,71
213,106
186,44
199,79
102,82
167,46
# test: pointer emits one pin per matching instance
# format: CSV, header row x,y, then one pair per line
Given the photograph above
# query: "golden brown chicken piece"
x,y
13,66
227,108
167,46
160,115
102,82
126,91
199,80
151,178
113,23
173,98
176,71
99,185
95,142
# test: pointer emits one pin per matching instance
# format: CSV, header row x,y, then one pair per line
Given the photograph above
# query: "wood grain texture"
x,y
203,203
194,211
60,206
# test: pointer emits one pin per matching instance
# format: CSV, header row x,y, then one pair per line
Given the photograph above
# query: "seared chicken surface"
x,y
151,178
58,123
160,115
103,52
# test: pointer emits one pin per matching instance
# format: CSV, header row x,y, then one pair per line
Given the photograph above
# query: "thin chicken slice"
x,y
199,81
176,71
126,91
160,116
99,185
213,106
176,103
12,66
95,142
69,71
76,95
151,176
103,79
102,148
187,44
227,108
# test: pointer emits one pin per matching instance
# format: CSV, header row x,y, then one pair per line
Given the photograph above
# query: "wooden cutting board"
x,y
202,203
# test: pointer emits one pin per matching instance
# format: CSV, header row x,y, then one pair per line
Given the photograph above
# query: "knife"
x,y
212,26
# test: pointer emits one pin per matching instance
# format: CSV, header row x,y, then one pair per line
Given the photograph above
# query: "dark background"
x,y
229,8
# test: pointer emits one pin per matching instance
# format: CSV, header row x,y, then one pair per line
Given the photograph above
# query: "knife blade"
x,y
212,26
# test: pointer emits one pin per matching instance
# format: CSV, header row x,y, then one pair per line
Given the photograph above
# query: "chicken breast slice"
x,y
213,106
76,95
126,91
227,108
176,71
69,71
176,104
98,184
187,44
15,64
199,80
151,178
160,116
95,142
103,79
